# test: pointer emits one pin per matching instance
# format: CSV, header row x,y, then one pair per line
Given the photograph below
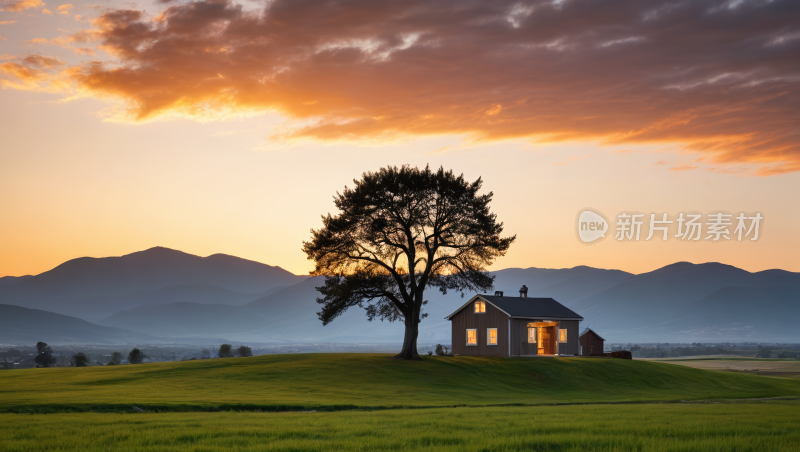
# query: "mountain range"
x,y
167,295
94,288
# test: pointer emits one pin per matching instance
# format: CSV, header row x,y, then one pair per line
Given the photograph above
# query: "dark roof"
x,y
592,331
527,307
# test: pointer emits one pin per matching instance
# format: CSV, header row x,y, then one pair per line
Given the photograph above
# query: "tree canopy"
x,y
400,231
44,355
80,360
136,356
116,359
226,351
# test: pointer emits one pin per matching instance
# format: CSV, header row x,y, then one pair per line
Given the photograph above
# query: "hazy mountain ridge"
x,y
184,319
651,303
94,288
20,325
681,302
11,280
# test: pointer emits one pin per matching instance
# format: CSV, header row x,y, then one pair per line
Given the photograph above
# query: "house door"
x,y
547,340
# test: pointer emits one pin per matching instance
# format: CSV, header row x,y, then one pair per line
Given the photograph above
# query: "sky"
x,y
224,127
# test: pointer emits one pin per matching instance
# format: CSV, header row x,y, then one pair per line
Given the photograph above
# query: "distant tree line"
x,y
440,350
227,351
698,349
68,356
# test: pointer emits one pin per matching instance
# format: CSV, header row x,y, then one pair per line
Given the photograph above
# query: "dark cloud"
x,y
720,77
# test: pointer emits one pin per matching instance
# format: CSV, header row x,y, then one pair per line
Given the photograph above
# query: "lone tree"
x,y
44,355
80,360
226,351
400,231
116,359
136,356
244,351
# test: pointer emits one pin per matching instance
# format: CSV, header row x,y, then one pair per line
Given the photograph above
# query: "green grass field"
x,y
364,380
651,427
544,404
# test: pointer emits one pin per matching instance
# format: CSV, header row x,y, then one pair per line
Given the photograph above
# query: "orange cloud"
x,y
779,169
30,78
66,42
20,5
43,61
6,22
722,83
683,167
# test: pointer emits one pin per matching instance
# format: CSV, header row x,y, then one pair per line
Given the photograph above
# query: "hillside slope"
x,y
374,380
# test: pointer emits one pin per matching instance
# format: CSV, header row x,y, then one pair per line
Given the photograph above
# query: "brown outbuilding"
x,y
509,326
591,343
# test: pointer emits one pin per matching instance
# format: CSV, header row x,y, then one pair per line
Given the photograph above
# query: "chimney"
x,y
523,291
498,293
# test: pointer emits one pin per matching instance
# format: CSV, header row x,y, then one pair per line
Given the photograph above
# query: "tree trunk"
x,y
409,350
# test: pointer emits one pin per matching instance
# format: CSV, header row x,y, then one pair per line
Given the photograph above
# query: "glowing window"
x,y
472,337
562,336
480,307
531,335
491,336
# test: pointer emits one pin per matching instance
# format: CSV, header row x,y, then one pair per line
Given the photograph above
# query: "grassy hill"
x,y
365,380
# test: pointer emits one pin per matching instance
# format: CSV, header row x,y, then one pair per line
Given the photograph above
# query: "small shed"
x,y
591,343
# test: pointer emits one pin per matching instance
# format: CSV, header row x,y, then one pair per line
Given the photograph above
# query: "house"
x,y
509,326
591,343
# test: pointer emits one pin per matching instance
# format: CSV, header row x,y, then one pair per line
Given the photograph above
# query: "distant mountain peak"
x,y
159,250
704,268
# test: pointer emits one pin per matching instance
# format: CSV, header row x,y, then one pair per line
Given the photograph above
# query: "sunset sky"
x,y
224,127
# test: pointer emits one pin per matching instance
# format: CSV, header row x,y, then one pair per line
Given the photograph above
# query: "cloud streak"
x,y
20,5
720,78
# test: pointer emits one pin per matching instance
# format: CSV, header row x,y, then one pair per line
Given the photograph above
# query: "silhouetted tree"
x,y
136,356
244,351
80,360
205,354
116,359
226,351
400,231
44,355
442,350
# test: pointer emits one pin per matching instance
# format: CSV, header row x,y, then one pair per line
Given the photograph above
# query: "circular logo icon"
x,y
591,226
